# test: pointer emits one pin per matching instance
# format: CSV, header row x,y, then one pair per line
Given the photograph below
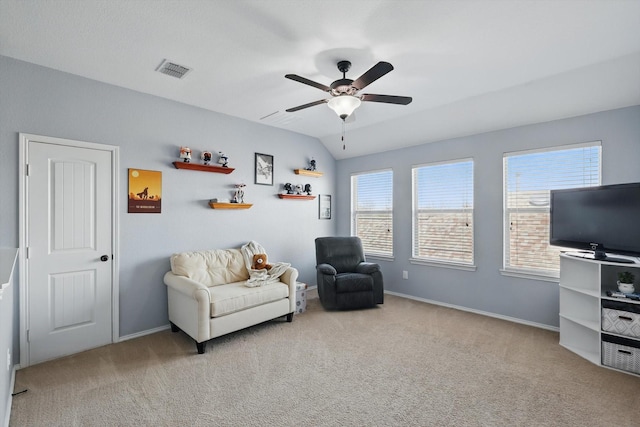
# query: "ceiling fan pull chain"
x,y
343,145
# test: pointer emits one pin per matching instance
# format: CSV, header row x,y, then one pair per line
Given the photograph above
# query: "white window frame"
x,y
441,262
536,274
354,213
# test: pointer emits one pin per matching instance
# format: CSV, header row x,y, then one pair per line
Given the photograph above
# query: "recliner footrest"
x,y
353,282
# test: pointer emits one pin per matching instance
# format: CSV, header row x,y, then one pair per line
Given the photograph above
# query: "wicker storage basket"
x,y
621,318
621,353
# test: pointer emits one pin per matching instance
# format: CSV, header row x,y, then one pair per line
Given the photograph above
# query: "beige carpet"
x,y
406,363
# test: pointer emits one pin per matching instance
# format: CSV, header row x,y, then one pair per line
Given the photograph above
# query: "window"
x,y
372,211
528,179
443,212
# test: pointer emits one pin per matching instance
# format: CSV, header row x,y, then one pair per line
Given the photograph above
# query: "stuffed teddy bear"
x,y
260,262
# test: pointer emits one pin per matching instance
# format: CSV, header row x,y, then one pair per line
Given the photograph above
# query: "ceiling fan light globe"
x,y
344,105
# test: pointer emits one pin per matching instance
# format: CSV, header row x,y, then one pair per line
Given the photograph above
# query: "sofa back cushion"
x,y
212,267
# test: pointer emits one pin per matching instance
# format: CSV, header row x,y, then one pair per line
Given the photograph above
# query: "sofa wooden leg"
x,y
290,317
174,328
201,347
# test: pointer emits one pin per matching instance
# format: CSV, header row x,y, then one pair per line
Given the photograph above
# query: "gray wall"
x,y
149,131
486,289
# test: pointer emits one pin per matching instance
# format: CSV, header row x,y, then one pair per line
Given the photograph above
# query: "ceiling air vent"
x,y
172,69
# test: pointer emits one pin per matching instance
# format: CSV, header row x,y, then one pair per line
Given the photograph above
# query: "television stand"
x,y
619,260
587,289
600,257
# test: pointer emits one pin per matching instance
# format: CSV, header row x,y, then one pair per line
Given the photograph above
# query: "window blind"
x,y
443,212
528,179
372,211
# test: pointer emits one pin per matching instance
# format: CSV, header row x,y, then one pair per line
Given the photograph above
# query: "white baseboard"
x,y
143,333
484,313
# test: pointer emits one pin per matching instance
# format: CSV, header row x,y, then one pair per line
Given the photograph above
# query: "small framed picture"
x,y
324,204
264,169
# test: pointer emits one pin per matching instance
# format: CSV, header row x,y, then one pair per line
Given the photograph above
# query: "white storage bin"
x,y
621,318
621,353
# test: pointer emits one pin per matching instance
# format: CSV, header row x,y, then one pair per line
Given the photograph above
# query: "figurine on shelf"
x,y
307,189
238,196
206,157
298,189
222,159
312,165
289,188
185,154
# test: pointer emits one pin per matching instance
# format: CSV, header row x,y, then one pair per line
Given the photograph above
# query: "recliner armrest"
x,y
367,268
326,269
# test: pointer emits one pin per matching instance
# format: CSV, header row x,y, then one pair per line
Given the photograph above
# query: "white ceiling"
x,y
470,66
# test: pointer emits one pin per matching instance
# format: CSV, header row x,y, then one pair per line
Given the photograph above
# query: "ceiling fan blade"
x,y
388,99
306,81
373,74
311,104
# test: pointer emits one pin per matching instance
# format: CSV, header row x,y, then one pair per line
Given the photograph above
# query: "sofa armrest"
x,y
184,285
367,268
189,306
326,269
290,277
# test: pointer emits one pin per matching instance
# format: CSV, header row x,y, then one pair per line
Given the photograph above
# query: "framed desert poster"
x,y
145,191
264,169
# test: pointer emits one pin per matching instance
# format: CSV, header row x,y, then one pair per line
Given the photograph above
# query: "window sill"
x,y
525,274
379,257
452,265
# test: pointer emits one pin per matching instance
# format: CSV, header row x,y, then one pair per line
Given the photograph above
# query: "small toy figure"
x,y
206,157
185,154
289,188
312,165
238,196
307,189
223,159
298,188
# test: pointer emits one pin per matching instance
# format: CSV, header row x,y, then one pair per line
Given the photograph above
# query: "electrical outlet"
x,y
8,359
405,274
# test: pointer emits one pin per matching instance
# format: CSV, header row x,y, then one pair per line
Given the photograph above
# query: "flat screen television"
x,y
604,219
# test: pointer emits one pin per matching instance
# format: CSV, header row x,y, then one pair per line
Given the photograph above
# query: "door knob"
x,y
104,258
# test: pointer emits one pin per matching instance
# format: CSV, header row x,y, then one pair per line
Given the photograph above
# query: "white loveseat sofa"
x,y
208,296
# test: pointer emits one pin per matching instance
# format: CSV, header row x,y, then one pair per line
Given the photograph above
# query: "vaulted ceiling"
x,y
470,66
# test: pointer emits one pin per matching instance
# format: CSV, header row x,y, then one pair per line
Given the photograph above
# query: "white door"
x,y
69,256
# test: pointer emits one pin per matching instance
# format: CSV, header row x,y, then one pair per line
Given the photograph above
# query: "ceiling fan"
x,y
344,91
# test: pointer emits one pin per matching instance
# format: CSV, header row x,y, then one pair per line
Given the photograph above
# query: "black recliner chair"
x,y
345,279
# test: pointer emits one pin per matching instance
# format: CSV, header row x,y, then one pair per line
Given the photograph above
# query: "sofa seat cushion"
x,y
212,267
232,297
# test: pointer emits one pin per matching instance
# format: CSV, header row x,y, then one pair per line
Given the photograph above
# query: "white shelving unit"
x,y
583,286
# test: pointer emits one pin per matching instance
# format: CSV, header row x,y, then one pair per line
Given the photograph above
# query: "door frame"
x,y
24,139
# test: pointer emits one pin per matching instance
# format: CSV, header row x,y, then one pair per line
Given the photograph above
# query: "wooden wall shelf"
x,y
315,174
296,196
204,168
216,205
